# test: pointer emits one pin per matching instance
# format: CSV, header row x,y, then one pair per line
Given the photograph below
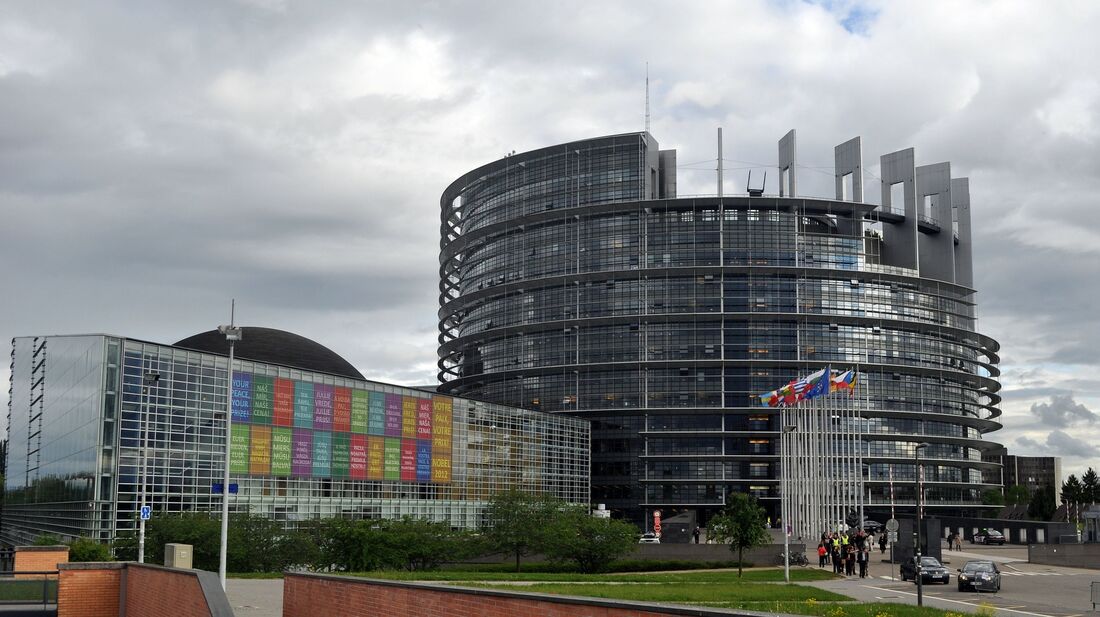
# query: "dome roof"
x,y
274,347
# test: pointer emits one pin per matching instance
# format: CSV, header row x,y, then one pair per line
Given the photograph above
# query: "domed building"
x,y
575,281
100,424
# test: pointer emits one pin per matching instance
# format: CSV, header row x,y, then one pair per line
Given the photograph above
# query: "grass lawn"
x,y
690,593
762,575
26,590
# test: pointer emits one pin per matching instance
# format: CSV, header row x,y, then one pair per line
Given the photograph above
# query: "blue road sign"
x,y
233,488
216,488
146,512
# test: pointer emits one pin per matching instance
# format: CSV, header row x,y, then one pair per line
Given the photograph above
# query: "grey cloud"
x,y
1062,444
1062,411
1027,442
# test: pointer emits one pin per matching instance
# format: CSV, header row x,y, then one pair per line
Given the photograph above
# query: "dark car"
x,y
931,571
988,536
871,526
979,576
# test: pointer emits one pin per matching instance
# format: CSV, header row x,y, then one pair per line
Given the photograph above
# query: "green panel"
x,y
263,399
281,439
341,457
360,401
238,450
393,458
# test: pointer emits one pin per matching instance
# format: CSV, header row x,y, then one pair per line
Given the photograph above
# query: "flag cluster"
x,y
810,387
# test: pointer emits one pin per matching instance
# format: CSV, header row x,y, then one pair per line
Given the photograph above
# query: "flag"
x,y
818,384
770,399
843,381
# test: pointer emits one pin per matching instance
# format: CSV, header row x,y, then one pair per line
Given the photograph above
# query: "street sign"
x,y
892,536
216,487
892,525
146,512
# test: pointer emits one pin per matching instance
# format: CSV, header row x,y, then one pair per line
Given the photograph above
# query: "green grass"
x,y
764,575
829,609
693,593
27,590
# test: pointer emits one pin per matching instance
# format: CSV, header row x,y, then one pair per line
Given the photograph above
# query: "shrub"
x,y
87,549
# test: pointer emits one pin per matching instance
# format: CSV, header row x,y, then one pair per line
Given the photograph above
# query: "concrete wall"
x,y
311,595
1071,555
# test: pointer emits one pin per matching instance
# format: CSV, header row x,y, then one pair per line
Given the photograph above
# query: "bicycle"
x,y
797,559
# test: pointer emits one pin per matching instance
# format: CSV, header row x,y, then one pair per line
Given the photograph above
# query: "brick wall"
x,y
39,559
111,589
89,589
311,595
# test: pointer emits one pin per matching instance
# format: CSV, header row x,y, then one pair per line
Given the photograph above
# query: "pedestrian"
x,y
882,544
850,561
838,560
862,559
951,541
695,535
822,555
958,541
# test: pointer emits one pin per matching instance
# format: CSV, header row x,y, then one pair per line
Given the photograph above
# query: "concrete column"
x,y
787,151
899,240
964,256
937,250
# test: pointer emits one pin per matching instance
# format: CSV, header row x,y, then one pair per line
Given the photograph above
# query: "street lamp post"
x,y
920,584
232,335
783,514
147,381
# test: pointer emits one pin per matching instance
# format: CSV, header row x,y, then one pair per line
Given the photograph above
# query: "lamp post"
x,y
916,548
147,382
783,514
232,335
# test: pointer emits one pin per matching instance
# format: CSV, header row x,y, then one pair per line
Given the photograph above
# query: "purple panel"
x,y
301,462
393,415
322,407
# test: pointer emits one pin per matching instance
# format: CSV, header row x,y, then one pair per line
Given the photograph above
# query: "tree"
x,y
741,524
47,539
1042,506
1072,494
589,542
1017,495
517,523
1090,485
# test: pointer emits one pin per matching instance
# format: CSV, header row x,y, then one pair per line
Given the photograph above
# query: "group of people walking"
x,y
845,552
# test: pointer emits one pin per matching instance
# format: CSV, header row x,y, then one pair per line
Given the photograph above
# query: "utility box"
x,y
178,555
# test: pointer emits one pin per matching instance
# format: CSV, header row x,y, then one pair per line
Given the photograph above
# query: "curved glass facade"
x,y
573,281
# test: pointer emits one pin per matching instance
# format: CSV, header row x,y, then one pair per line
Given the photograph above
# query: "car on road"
x,y
649,538
871,526
979,575
988,536
931,571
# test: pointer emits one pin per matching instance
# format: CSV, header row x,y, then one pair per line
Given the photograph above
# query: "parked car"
x,y
649,538
871,526
931,571
979,576
988,536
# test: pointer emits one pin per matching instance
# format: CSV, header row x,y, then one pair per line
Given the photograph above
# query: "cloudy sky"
x,y
158,159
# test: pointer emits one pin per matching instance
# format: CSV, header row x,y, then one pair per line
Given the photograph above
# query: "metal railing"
x,y
32,588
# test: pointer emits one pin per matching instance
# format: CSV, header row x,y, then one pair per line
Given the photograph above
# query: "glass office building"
x,y
304,443
575,281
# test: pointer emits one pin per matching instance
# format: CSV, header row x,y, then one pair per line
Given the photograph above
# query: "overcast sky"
x,y
158,159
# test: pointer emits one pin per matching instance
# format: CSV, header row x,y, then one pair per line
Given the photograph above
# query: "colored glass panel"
x,y
238,449
281,448
377,422
359,403
242,397
393,458
424,418
376,457
441,466
442,414
393,415
408,417
263,399
259,457
301,463
408,460
357,455
303,404
340,455
322,407
322,454
423,460
341,409
284,403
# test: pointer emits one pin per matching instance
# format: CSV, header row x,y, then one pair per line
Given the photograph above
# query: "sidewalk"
x,y
255,597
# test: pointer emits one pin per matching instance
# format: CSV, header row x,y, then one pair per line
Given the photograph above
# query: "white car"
x,y
649,538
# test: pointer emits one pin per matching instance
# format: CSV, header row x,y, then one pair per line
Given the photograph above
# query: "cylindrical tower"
x,y
573,280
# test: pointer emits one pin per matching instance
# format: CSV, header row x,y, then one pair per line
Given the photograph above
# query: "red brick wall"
x,y
39,558
157,592
306,595
88,593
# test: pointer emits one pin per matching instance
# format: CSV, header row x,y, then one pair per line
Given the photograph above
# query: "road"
x,y
1026,589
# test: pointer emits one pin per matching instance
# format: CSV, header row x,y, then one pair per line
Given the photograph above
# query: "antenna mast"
x,y
647,97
